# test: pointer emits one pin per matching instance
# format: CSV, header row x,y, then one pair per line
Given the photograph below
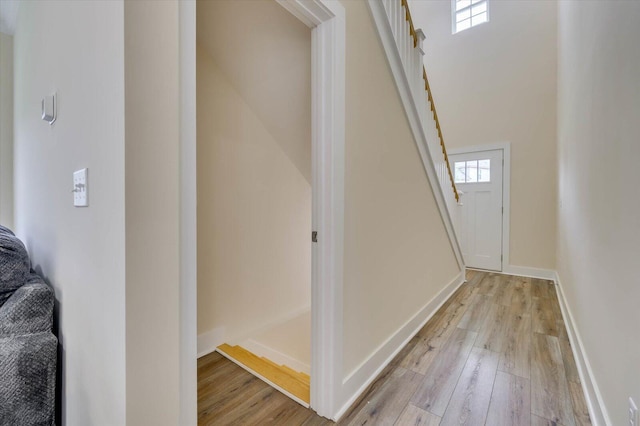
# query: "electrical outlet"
x,y
633,413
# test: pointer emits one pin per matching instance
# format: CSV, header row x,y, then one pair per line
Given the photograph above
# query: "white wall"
x,y
76,49
117,292
6,130
497,83
598,220
397,253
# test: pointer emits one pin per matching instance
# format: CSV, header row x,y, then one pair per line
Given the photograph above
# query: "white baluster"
x,y
390,14
399,20
388,6
410,67
397,34
407,46
403,44
418,73
393,20
419,53
421,38
419,58
414,70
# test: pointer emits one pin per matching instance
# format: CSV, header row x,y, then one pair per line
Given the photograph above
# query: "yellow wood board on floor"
x,y
292,382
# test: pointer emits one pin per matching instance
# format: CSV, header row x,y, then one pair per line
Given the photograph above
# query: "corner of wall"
x,y
6,130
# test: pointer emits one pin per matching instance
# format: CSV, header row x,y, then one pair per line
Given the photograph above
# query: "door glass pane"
x,y
472,171
484,171
459,171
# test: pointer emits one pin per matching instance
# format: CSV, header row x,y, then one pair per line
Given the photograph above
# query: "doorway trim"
x,y
326,18
506,190
188,320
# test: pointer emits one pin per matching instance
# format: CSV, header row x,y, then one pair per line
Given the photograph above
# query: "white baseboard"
x,y
595,403
363,375
273,355
209,341
526,271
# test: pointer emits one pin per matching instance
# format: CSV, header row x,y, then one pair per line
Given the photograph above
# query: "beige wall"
x,y
76,49
6,130
152,199
598,220
265,53
397,253
254,198
497,83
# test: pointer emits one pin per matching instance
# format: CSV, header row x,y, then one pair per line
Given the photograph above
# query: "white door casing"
x,y
327,20
479,219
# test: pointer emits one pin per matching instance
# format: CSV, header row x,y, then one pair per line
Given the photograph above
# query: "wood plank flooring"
x,y
496,353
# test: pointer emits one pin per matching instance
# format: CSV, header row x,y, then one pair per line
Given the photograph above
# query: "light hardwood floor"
x,y
496,353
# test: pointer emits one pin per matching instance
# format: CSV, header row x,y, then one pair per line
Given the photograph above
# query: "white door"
x,y
478,176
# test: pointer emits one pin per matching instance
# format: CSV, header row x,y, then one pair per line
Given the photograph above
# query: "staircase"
x,y
290,382
403,43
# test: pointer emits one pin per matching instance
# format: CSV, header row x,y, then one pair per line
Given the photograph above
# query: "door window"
x,y
473,171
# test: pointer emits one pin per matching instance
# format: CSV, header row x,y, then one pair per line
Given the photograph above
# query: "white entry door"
x,y
478,176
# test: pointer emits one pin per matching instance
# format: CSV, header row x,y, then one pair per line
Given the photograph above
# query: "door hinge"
x,y
314,236
503,210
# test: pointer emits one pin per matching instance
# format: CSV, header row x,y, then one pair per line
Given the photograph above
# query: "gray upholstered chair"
x,y
28,348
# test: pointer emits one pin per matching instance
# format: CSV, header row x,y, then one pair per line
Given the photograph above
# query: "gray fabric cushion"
x,y
28,310
28,376
5,230
28,348
15,268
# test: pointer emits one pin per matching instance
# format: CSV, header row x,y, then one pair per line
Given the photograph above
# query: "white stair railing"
x,y
409,44
403,45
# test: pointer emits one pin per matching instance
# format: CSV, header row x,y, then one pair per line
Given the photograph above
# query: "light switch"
x,y
49,113
81,188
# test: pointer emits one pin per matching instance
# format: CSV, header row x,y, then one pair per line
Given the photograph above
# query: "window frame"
x,y
454,12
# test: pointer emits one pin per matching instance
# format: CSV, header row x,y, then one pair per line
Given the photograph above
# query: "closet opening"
x,y
254,180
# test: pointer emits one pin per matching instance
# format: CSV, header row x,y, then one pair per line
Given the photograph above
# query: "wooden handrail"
x,y
413,34
412,30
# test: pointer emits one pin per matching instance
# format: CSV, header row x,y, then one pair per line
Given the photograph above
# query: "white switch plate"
x,y
81,188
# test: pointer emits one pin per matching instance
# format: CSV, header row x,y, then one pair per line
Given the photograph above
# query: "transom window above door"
x,y
473,171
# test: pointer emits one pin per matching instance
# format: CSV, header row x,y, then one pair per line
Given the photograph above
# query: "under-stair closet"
x,y
254,190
